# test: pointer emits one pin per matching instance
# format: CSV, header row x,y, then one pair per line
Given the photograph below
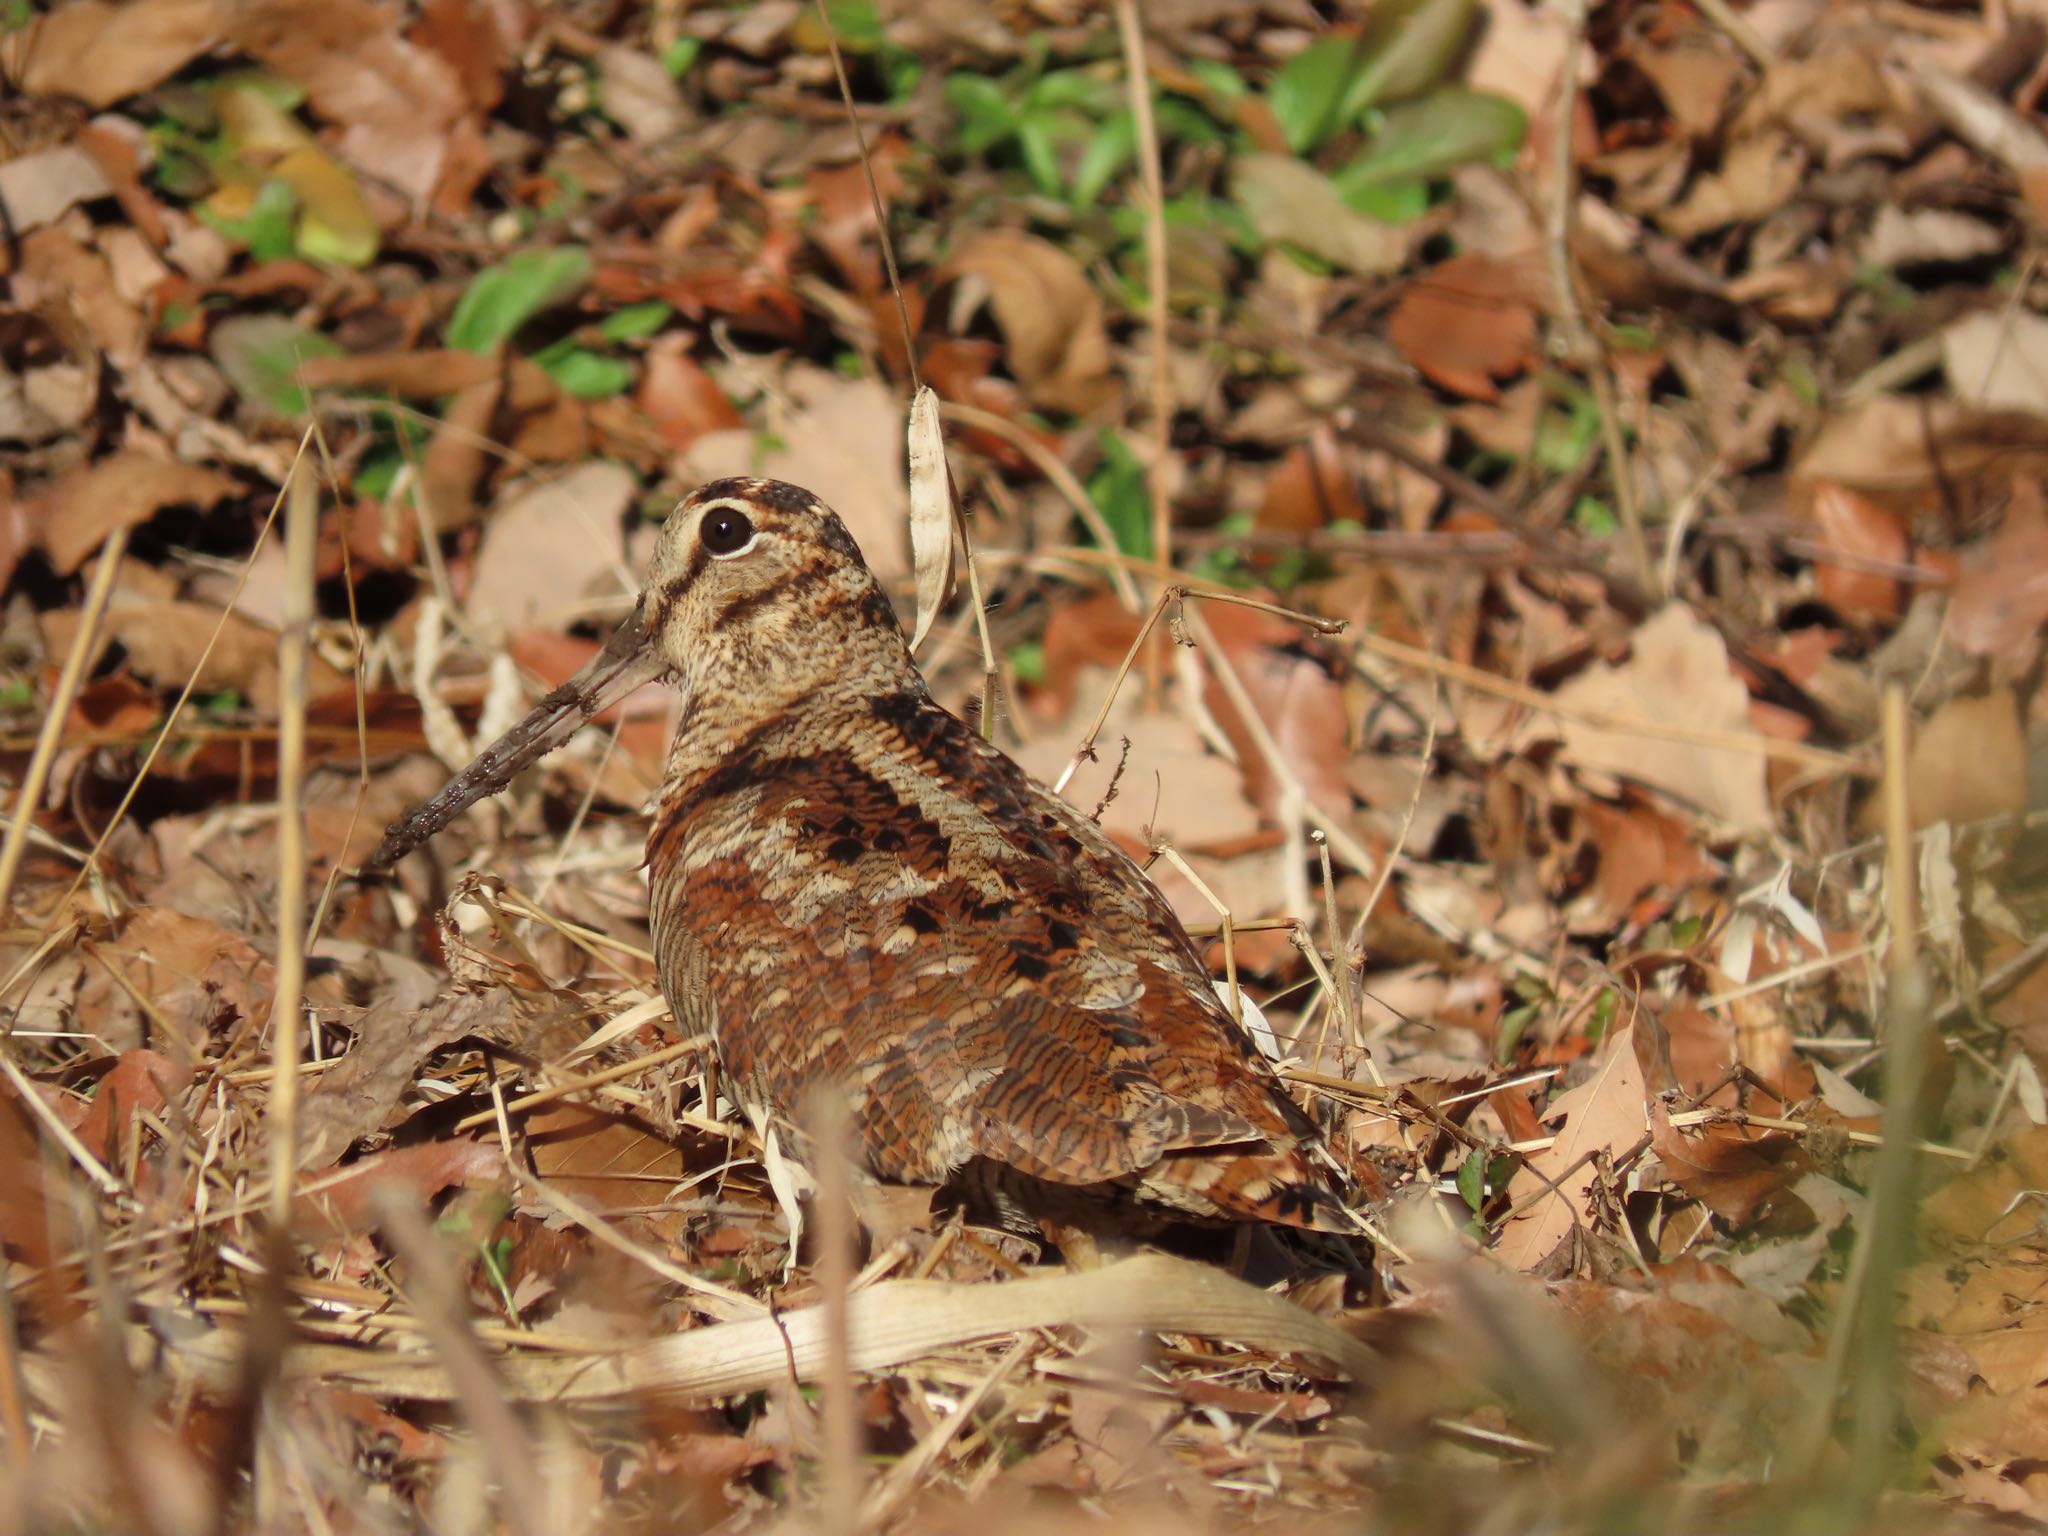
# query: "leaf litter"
x,y
1557,880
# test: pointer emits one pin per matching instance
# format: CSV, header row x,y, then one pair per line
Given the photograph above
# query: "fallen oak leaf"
x,y
1741,1174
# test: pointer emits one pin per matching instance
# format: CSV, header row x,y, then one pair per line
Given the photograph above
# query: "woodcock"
x,y
850,886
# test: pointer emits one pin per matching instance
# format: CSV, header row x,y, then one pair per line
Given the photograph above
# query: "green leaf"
x,y
636,320
1108,152
1592,516
1391,202
260,355
1410,46
502,298
1603,1016
1183,122
1118,490
1513,1024
678,57
1472,1181
856,24
1445,129
987,115
589,375
270,226
1027,661
1219,79
1307,96
1074,90
1041,156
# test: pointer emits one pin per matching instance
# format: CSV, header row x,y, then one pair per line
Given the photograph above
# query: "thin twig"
x,y
294,648
1152,187
874,195
1575,335
37,777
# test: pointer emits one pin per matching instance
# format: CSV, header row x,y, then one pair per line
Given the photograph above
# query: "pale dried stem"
x,y
1151,181
37,776
611,1074
860,142
1687,1118
1819,759
1579,344
841,1484
163,735
723,1301
14,1398
358,651
1172,856
1352,960
901,1480
437,1297
1173,594
294,650
1059,477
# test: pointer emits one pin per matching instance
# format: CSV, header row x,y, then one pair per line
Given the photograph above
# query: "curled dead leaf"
x,y
1050,315
934,513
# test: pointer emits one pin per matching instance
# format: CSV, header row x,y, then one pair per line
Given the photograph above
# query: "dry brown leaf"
x,y
680,398
1694,76
192,971
639,94
1858,528
1310,489
1757,177
124,490
1292,202
1899,238
1604,1114
1998,360
548,547
1050,315
139,1080
1678,675
1985,1204
1741,1174
934,514
1968,761
844,441
1469,321
2001,601
393,99
36,189
165,639
99,52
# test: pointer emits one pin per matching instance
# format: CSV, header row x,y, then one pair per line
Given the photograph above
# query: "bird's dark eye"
x,y
725,531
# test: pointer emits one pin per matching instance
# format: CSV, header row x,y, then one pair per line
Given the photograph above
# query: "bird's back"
x,y
876,898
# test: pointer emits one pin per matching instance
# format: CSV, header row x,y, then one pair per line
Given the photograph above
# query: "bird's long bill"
x,y
628,659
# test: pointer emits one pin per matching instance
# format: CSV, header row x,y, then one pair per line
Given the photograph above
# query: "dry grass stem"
x,y
36,777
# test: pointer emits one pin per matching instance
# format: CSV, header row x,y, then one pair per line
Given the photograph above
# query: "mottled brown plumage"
x,y
849,886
